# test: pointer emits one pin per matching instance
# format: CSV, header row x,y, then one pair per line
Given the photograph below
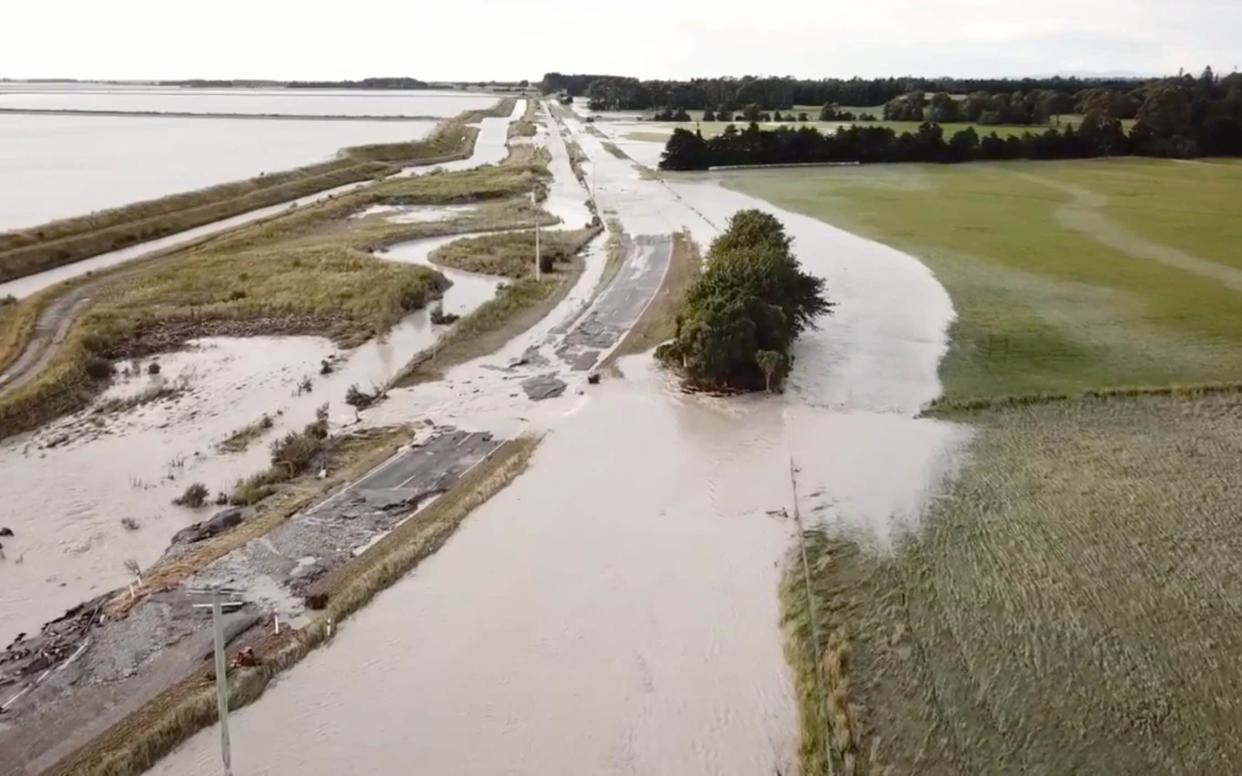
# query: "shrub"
x,y
98,368
194,496
293,452
359,399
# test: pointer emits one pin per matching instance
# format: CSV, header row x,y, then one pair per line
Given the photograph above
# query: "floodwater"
x,y
415,214
257,101
58,166
615,610
469,289
612,611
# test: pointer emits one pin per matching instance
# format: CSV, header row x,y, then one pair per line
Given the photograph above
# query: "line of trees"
x,y
1172,121
742,315
610,92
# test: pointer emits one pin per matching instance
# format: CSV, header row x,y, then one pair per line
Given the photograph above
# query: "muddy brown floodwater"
x,y
615,609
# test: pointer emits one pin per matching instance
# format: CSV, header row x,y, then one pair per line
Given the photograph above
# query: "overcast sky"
x,y
510,39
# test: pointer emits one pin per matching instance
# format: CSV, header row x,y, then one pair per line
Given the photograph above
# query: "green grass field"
x,y
1066,276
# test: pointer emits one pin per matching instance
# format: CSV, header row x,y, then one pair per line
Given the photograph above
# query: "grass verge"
x,y
133,745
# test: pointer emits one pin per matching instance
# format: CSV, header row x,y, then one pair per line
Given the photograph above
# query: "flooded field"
x,y
615,609
256,101
60,166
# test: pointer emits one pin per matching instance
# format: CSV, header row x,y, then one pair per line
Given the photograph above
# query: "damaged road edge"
x,y
141,737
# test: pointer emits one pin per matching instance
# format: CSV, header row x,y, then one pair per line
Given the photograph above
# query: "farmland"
x,y
1067,605
1066,276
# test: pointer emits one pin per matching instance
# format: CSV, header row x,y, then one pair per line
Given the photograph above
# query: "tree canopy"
x,y
1181,118
742,315
612,92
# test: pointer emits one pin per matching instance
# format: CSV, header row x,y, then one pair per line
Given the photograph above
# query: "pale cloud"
x,y
648,38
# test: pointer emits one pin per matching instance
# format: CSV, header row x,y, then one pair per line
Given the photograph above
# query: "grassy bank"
x,y
516,307
1069,606
510,254
135,744
27,251
1066,276
17,321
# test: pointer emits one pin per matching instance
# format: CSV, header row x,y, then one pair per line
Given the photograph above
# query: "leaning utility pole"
x,y
538,268
222,682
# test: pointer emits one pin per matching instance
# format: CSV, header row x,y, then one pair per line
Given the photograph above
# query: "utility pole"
x,y
222,682
538,268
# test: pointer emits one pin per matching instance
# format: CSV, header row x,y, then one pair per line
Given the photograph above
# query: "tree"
x,y
708,115
771,362
963,145
943,109
1166,111
743,313
686,150
1101,136
829,112
751,229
